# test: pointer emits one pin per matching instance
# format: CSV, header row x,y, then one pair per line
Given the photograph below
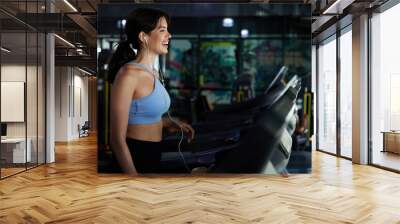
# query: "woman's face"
x,y
159,38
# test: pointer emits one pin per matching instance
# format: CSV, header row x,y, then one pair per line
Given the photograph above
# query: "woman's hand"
x,y
188,129
175,125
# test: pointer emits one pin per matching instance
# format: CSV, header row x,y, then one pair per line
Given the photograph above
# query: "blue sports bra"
x,y
150,108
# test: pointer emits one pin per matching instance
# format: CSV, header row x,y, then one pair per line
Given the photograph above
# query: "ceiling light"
x,y
261,13
244,33
338,6
70,5
65,41
5,50
121,23
84,71
227,22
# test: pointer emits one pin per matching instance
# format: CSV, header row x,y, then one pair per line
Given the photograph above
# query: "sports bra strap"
x,y
142,66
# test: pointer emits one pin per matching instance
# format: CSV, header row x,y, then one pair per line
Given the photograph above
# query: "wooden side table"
x,y
391,141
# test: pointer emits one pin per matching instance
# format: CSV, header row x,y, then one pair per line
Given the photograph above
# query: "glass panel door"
x,y
327,96
346,94
14,153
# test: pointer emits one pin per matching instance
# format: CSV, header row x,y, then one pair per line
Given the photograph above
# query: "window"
x,y
327,96
346,93
385,88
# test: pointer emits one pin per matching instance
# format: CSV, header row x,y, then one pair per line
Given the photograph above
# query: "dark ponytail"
x,y
142,19
121,56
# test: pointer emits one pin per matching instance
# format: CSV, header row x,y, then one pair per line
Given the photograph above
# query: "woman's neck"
x,y
146,59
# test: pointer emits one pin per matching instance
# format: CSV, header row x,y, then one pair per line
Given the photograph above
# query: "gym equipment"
x,y
240,114
266,147
269,151
245,109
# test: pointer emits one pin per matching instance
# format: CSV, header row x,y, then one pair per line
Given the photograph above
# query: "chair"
x,y
84,130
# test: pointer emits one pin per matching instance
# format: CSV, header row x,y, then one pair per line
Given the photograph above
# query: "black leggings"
x,y
146,155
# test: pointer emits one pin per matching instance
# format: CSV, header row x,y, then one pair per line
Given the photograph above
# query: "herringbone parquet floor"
x,y
71,191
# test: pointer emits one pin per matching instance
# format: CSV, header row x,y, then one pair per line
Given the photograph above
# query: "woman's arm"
x,y
168,123
121,97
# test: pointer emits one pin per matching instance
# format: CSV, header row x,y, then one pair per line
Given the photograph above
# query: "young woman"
x,y
138,98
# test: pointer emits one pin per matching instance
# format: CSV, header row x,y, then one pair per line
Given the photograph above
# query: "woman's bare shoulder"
x,y
132,72
129,73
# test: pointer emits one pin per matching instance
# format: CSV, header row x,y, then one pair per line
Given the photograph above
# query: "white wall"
x,y
15,72
71,94
61,103
81,100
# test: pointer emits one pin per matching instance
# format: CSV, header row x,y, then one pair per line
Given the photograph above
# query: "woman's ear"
x,y
143,37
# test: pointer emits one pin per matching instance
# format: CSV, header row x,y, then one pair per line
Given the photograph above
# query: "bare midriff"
x,y
145,132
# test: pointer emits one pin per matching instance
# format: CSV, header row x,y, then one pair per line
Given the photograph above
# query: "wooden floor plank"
x,y
71,191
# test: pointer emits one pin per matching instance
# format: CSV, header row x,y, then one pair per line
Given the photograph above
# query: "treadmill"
x,y
223,144
238,114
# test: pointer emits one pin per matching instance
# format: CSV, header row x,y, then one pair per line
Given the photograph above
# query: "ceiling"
x,y
76,22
